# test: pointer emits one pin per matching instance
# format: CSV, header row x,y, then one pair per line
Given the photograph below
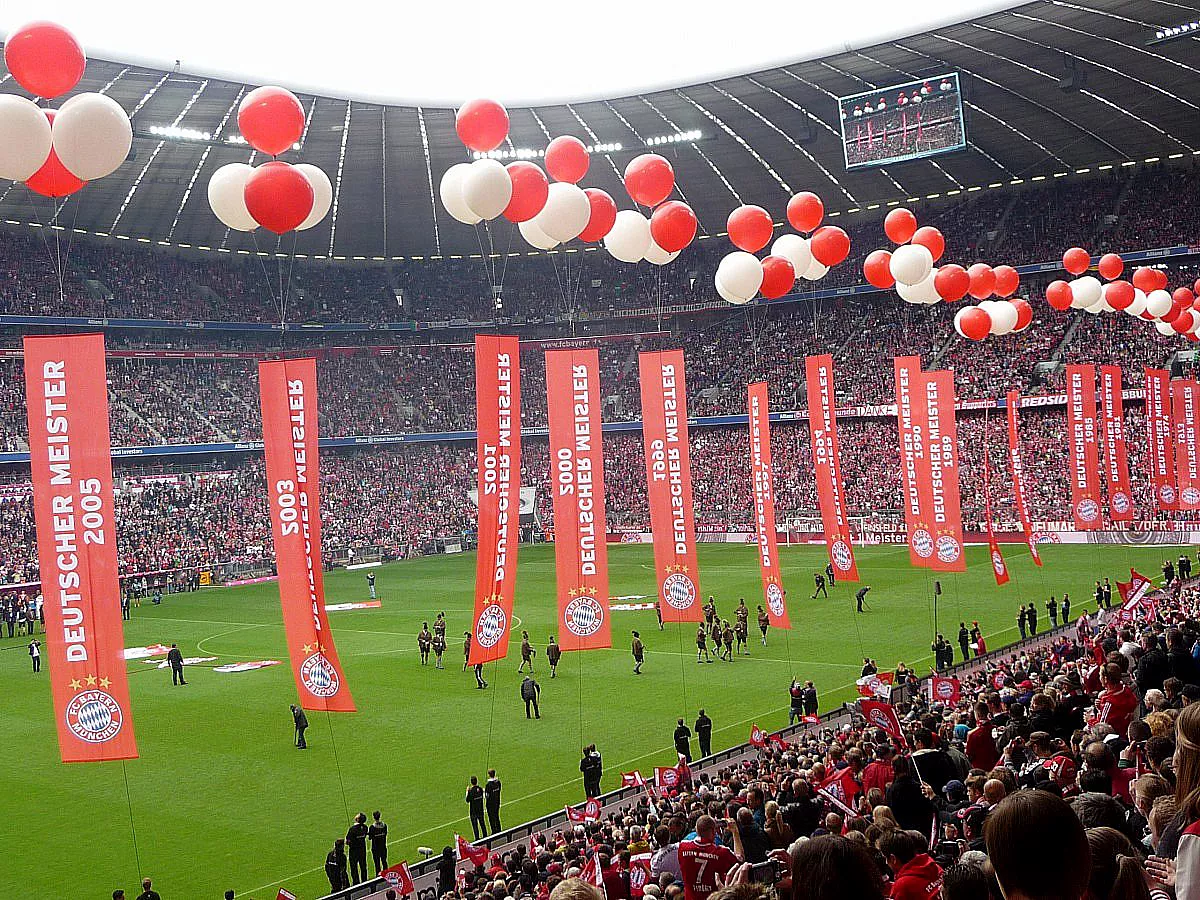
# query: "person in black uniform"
x,y
809,698
424,643
377,832
964,641
1032,616
764,622
704,734
125,605
592,767
371,584
1065,608
819,581
683,740
300,720
553,655
860,596
830,575
335,867
1021,621
35,654
474,801
527,653
175,658
531,691
356,841
1108,592
480,684
466,649
491,797
639,653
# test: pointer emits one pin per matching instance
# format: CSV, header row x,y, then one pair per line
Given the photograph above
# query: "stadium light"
x,y
679,137
1169,34
238,141
530,153
175,133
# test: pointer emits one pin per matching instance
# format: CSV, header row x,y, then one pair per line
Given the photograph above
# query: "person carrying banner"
x,y
480,684
300,721
466,649
764,622
830,574
531,692
553,655
474,801
639,653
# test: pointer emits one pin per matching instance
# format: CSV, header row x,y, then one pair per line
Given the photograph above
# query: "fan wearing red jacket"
x,y
915,876
1116,703
703,862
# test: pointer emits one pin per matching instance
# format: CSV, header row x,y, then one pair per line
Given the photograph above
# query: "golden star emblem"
x,y
572,592
306,649
76,684
592,591
320,648
105,682
91,680
683,569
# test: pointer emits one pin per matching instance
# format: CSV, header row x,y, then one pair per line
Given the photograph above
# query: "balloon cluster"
x,y
1144,296
549,213
741,275
277,195
57,151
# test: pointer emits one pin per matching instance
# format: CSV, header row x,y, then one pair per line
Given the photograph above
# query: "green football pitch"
x,y
220,798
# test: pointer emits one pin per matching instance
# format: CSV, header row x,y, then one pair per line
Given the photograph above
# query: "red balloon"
x,y
1196,288
1160,279
1111,266
53,179
602,217
1183,296
749,228
529,191
983,281
1024,313
778,277
931,239
278,196
975,323
1194,338
1119,294
567,159
1059,295
952,282
673,226
830,245
1147,280
805,211
1183,322
271,119
481,124
900,225
45,59
1007,281
649,179
877,269
1076,260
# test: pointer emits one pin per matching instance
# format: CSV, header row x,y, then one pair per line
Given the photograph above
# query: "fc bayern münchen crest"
x,y
583,616
319,677
491,626
775,598
945,689
679,590
94,716
922,543
879,719
1120,502
948,548
1190,496
1166,493
997,562
1088,510
843,558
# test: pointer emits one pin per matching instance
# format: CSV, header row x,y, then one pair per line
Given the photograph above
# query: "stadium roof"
x,y
1049,87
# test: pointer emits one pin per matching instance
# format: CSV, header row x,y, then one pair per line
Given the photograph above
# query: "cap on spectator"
x,y
954,787
1061,768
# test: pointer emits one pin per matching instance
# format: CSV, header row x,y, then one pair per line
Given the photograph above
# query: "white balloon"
x,y
1158,303
322,194
1004,317
92,136
1138,306
911,263
24,137
962,311
566,212
730,298
657,255
1102,305
629,238
740,273
487,188
1085,292
1164,329
924,292
535,236
815,271
795,250
451,191
227,196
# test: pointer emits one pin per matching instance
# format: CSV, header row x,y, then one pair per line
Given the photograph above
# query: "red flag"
x,y
632,779
285,894
758,737
778,739
1160,456
827,465
882,715
877,685
1116,463
999,568
577,470
66,403
669,484
1017,465
640,873
840,789
1084,453
764,505
943,689
591,872
498,444
811,719
399,877
666,778
589,812
288,397
1133,595
1185,397
914,465
477,856
945,504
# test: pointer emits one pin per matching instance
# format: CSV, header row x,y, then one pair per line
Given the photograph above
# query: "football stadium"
x,y
601,454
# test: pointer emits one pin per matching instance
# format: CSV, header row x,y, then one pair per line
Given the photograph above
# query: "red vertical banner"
x,y
66,401
669,484
764,504
288,397
1116,461
914,464
1184,397
498,443
577,485
945,500
1160,455
999,566
827,465
1017,467
1083,453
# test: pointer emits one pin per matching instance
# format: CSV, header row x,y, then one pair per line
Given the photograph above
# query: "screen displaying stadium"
x,y
906,121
